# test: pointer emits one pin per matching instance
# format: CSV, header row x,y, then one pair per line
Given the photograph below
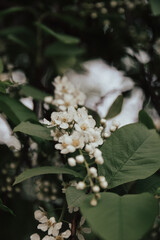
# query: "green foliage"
x,y
11,10
146,119
150,184
15,110
116,107
59,36
155,6
1,66
44,170
33,129
4,85
131,153
121,218
30,91
74,197
61,49
5,208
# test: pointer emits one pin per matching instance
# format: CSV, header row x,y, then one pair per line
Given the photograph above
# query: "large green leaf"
x,y
155,6
5,208
74,197
15,110
146,119
121,218
44,170
150,184
33,129
59,36
131,153
35,93
61,49
116,107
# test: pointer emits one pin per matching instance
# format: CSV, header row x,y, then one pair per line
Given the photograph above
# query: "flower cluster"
x,y
76,132
49,225
66,94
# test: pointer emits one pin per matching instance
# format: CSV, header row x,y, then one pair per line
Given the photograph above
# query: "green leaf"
x,y
131,153
61,49
155,7
116,107
15,110
1,66
5,208
33,129
121,218
146,119
11,10
4,85
150,184
44,170
30,91
18,41
74,197
59,36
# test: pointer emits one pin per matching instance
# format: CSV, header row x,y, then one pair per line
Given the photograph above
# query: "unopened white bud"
x,y
104,184
113,128
93,202
96,189
88,148
116,123
101,179
106,135
81,185
97,153
48,99
72,162
99,160
79,159
103,121
93,171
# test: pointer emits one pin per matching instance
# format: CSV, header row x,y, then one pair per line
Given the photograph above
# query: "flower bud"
x,y
104,184
96,189
93,202
113,128
79,159
93,171
99,160
81,185
72,162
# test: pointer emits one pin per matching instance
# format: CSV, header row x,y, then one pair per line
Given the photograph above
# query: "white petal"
x,y
66,234
43,227
82,221
43,219
80,236
86,230
58,225
35,236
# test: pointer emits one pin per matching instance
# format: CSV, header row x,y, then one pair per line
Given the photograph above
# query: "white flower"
x,y
48,238
49,225
56,134
28,102
63,86
6,136
35,236
142,57
81,230
95,137
19,77
93,171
